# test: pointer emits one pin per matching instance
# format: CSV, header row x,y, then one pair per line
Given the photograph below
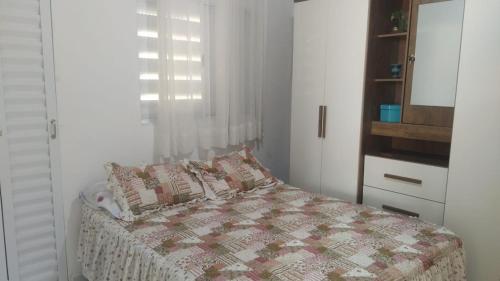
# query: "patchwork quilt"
x,y
280,233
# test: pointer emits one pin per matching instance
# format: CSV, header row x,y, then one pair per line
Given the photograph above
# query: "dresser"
x,y
408,188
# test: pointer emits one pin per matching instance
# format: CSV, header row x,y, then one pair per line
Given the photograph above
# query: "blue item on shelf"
x,y
390,113
396,70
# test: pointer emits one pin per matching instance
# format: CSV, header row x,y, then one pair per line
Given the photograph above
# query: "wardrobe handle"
x,y
320,122
323,129
400,211
405,179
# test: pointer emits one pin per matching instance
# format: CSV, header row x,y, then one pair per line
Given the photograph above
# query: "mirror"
x,y
436,52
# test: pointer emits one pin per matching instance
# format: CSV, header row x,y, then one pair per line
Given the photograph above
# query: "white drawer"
x,y
419,180
394,202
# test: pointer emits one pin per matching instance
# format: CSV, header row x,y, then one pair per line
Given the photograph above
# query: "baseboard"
x,y
79,278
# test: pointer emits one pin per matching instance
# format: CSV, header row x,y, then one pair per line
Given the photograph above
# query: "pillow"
x,y
232,173
140,192
97,196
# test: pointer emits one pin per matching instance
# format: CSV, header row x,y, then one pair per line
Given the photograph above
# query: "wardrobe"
x,y
31,217
327,95
472,197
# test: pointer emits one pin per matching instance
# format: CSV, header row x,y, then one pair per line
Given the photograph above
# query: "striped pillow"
x,y
140,192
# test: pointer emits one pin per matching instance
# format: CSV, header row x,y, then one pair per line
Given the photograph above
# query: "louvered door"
x,y
32,213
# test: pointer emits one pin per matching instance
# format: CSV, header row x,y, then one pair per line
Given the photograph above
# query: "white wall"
x,y
472,202
98,96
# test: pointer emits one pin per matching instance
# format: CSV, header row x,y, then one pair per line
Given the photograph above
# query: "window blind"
x,y
178,25
32,217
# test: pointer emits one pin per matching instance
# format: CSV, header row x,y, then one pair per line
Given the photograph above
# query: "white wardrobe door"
x,y
473,193
28,170
345,69
307,92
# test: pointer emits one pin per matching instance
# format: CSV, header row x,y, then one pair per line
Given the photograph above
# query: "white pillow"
x,y
97,196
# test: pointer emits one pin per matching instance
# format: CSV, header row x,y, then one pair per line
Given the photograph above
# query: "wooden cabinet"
x,y
327,95
405,165
428,69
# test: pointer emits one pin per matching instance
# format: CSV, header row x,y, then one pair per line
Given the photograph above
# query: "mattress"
x,y
279,233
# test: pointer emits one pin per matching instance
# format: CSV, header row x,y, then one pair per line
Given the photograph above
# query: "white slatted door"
x,y
32,213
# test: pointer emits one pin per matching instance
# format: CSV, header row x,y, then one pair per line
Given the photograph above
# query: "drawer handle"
x,y
405,179
400,211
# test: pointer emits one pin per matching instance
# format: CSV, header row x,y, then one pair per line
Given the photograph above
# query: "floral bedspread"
x,y
280,233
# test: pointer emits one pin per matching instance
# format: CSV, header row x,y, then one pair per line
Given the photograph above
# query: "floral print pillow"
x,y
232,173
140,192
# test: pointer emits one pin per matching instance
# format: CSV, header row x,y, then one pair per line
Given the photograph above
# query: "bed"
x,y
275,233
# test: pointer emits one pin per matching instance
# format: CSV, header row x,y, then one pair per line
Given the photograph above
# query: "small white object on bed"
x,y
97,196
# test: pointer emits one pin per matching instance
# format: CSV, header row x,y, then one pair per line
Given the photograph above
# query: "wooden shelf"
x,y
410,131
393,35
389,80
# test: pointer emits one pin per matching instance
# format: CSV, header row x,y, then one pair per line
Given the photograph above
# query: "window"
x,y
201,72
176,27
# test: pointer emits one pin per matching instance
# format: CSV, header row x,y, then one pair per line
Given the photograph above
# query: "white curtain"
x,y
210,74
